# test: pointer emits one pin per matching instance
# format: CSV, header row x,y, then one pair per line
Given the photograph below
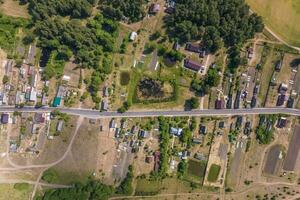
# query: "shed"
x,y
154,8
59,126
133,36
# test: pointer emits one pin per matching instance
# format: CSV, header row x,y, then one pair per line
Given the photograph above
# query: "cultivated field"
x,y
281,16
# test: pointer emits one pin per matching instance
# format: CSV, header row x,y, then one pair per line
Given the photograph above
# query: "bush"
x,y
126,185
50,176
21,186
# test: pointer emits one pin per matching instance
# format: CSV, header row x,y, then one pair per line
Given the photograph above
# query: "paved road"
x,y
169,113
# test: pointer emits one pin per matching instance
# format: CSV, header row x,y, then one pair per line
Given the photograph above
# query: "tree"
x,y
28,39
132,11
5,79
126,185
181,169
194,102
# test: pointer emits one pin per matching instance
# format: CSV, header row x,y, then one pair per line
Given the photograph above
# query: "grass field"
x,y
9,29
281,16
9,191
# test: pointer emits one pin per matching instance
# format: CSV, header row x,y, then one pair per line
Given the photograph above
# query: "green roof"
x,y
56,101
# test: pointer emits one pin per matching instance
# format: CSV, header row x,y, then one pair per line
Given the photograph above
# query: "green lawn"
x,y
281,16
213,173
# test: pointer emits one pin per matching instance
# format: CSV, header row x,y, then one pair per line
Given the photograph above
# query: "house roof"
x,y
193,65
4,118
219,104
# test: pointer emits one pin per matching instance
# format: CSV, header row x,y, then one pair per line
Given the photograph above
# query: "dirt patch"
x,y
12,8
274,160
293,151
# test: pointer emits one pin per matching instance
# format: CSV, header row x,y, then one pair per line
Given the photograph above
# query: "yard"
x,y
213,173
196,171
281,16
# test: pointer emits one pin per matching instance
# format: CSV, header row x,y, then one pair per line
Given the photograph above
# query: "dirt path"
x,y
37,183
213,194
13,181
278,37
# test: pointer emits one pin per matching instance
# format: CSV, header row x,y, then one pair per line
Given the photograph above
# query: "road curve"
x,y
155,113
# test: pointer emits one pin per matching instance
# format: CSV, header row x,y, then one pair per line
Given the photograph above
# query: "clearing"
x,y
282,16
14,9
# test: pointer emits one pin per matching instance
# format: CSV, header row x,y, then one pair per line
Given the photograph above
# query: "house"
x,y
105,92
170,10
133,36
200,156
229,102
237,100
117,133
222,124
32,96
44,99
278,65
61,91
104,105
202,53
39,118
196,140
20,98
34,129
194,66
219,104
144,134
66,78
112,124
290,102
156,161
247,129
56,102
176,46
185,155
154,9
13,147
282,122
202,129
33,79
280,100
149,159
256,89
282,88
239,121
59,126
250,53
134,129
4,118
193,47
176,131
253,102
123,124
